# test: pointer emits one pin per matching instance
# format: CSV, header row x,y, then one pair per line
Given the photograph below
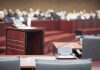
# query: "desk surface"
x,y
73,45
28,61
26,29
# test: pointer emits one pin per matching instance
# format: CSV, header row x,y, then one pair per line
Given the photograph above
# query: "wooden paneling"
x,y
67,5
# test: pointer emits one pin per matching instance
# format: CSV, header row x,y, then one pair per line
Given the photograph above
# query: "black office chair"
x,y
9,63
91,47
83,64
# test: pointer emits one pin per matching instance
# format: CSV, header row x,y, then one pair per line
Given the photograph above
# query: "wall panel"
x,y
67,5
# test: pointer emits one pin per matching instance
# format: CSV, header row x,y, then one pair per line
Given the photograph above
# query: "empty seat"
x,y
91,47
9,63
84,64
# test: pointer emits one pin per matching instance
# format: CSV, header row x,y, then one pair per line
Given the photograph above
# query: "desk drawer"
x,y
12,51
15,46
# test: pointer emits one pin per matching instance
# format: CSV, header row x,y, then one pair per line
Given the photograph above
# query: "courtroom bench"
x,y
48,33
54,26
87,26
90,31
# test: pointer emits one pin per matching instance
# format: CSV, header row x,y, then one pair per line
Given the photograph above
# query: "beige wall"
x,y
67,5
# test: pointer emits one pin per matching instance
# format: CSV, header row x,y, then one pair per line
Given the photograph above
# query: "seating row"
x,y
51,25
89,26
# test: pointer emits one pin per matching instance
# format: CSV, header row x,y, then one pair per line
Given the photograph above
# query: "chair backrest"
x,y
9,63
83,64
91,47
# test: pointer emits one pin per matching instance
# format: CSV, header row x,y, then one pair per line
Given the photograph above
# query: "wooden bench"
x,y
93,31
87,27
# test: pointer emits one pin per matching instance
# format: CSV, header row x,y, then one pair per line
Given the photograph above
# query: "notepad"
x,y
18,23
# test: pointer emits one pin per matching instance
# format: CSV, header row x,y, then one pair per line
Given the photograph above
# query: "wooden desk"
x,y
53,48
73,45
28,41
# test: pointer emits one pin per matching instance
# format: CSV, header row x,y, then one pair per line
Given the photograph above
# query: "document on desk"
x,y
27,61
65,56
30,61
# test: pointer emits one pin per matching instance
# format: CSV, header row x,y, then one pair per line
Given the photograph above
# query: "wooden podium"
x,y
23,41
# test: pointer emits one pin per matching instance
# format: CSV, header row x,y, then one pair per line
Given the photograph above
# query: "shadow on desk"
x,y
27,69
